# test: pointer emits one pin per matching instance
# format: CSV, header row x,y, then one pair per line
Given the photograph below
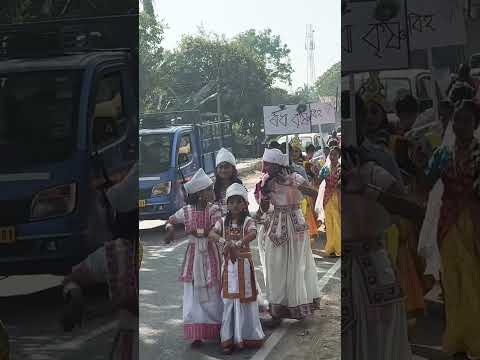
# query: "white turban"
x,y
275,156
224,155
237,190
200,181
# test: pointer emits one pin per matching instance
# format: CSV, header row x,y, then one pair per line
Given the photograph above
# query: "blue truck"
x,y
68,126
173,146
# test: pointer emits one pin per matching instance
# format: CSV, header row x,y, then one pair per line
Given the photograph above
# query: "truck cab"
x,y
68,118
173,146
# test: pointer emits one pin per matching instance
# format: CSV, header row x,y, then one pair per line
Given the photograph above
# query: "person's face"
x,y
225,171
375,117
464,125
236,204
207,195
334,156
310,154
296,153
270,168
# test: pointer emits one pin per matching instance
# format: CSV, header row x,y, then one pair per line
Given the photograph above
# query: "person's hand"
x,y
234,253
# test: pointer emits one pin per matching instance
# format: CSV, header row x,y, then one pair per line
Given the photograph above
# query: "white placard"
x,y
322,113
369,44
285,121
435,23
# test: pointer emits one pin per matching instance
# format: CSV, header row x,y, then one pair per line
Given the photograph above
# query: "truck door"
x,y
187,155
112,121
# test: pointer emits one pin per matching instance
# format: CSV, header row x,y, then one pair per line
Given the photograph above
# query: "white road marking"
x,y
329,274
172,248
279,333
151,224
82,339
207,357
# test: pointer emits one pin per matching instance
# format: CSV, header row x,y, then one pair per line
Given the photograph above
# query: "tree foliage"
x,y
151,60
242,69
328,83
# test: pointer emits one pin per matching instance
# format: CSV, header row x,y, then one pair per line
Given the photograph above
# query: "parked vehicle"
x,y
68,121
415,82
173,146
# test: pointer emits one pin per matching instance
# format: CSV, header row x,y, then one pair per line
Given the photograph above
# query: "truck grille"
x,y
14,212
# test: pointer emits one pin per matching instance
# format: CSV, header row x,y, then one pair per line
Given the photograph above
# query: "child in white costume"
x,y
200,272
241,325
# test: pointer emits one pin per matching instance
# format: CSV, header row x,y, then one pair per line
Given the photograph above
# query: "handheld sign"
x,y
286,120
370,44
436,23
322,113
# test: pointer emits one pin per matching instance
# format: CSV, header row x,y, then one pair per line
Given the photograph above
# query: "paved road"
x,y
426,338
161,335
30,307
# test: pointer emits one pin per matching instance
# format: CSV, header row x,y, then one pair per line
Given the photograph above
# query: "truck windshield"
x,y
38,116
155,153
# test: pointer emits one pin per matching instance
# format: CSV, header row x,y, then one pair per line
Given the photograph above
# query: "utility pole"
x,y
310,48
219,96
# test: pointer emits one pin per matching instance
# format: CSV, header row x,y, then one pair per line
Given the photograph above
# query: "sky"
x,y
286,18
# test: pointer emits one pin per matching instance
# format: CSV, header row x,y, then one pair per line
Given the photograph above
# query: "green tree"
x,y
151,55
328,83
270,50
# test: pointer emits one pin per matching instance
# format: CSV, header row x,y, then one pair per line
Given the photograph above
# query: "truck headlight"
x,y
54,202
162,189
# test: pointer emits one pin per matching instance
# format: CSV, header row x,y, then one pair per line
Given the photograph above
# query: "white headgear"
x,y
237,190
224,155
275,156
200,181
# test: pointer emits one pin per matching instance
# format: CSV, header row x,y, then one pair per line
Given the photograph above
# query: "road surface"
x,y
30,307
161,332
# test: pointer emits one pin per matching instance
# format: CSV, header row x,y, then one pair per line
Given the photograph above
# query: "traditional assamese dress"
x,y
458,238
241,325
330,212
224,156
374,323
200,273
308,207
292,289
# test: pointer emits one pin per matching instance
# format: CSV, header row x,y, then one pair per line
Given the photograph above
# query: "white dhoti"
x,y
241,325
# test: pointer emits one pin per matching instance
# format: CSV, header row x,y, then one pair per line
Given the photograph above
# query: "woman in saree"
x,y
458,232
374,323
329,198
308,204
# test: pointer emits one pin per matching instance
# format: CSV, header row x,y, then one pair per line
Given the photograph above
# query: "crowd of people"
x,y
222,299
415,183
